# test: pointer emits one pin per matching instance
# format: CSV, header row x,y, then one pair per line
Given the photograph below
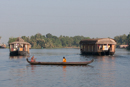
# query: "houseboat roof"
x,y
19,40
98,41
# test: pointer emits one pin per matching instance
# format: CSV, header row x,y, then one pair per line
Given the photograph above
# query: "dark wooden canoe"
x,y
60,63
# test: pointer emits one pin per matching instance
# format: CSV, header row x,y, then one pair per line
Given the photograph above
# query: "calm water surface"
x,y
105,71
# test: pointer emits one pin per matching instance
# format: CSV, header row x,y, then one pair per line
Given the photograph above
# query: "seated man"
x,y
64,60
33,59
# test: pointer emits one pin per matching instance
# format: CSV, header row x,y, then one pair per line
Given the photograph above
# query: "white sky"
x,y
89,18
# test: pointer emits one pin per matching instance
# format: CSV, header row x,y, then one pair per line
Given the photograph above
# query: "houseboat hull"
x,y
19,53
2,47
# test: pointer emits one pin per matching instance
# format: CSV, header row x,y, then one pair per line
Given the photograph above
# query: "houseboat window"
x,y
110,48
100,47
105,47
81,46
88,48
10,46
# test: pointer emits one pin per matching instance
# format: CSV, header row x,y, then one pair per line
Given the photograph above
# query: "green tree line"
x,y
128,40
123,40
50,41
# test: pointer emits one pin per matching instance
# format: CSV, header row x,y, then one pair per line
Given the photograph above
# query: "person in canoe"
x,y
64,60
33,59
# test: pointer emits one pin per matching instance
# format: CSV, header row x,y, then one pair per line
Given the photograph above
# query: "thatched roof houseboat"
x,y
19,47
100,46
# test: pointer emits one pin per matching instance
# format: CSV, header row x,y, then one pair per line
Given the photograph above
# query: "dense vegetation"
x,y
50,41
128,40
123,40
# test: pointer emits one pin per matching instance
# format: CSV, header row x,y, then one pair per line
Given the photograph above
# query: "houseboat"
x,y
2,45
19,47
123,46
100,46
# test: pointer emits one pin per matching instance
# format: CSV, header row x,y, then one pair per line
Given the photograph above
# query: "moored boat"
x,y
19,47
2,46
100,46
60,63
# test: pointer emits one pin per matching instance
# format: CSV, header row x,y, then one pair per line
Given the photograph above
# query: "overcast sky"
x,y
89,18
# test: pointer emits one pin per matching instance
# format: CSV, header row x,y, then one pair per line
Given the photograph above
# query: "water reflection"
x,y
104,58
17,75
64,74
18,57
106,70
32,68
64,68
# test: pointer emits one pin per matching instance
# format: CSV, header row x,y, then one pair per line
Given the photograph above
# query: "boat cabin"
x,y
2,45
19,47
100,46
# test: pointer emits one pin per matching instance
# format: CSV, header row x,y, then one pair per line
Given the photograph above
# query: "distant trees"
x,y
48,35
121,40
50,41
128,40
12,39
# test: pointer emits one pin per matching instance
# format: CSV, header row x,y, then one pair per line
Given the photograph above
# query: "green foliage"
x,y
77,39
128,40
50,41
26,39
48,35
121,40
12,39
40,41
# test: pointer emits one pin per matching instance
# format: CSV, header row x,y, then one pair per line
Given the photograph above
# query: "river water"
x,y
105,71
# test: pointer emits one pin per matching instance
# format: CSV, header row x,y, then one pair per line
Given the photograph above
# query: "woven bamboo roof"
x,y
98,41
19,40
